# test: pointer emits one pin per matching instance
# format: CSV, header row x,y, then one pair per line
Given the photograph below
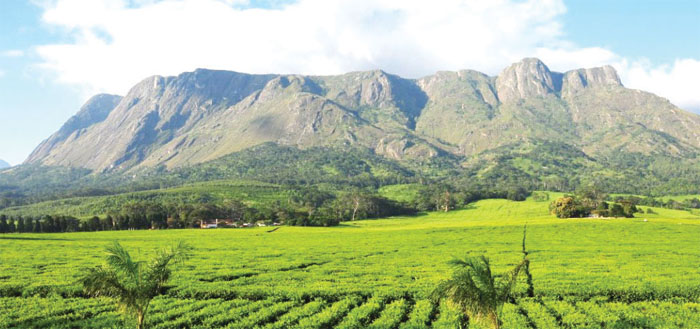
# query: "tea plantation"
x,y
639,272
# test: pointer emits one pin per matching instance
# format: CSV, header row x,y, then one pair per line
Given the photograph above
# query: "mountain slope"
x,y
4,164
203,115
95,110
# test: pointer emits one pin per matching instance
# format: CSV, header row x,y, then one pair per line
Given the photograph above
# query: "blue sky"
x,y
659,30
54,54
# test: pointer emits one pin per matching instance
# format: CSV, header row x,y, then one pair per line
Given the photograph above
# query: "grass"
x,y
400,192
628,262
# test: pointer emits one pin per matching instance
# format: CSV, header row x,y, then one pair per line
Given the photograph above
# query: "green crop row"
x,y
346,313
360,316
622,273
295,314
330,315
392,315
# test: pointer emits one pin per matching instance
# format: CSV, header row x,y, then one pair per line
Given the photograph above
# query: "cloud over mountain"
x,y
115,43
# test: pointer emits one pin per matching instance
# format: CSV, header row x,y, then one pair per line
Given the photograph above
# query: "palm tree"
x,y
475,290
133,284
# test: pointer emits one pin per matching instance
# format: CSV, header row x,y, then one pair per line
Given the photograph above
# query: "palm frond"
x,y
510,279
120,260
158,271
133,284
100,281
181,251
475,290
471,287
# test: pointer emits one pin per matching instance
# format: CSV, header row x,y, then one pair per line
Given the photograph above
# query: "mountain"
x,y
95,110
4,164
203,115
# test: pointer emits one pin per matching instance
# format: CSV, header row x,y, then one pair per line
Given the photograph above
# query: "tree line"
x,y
688,203
304,207
307,208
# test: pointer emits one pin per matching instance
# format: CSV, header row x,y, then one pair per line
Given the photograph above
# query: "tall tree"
x,y
37,226
21,228
4,228
445,201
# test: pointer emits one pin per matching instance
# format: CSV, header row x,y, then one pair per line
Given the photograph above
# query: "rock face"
x,y
95,110
202,115
4,164
578,80
525,79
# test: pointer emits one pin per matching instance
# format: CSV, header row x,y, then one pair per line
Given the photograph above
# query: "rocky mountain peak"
x,y
94,111
400,98
577,80
4,164
527,78
201,115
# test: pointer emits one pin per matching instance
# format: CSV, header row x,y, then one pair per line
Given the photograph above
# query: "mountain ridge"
x,y
205,114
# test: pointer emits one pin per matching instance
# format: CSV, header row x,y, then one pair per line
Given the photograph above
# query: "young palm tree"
x,y
475,290
133,284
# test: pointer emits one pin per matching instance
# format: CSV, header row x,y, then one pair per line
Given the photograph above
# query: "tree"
x,y
591,196
517,194
628,208
443,198
4,228
436,197
357,201
37,226
20,225
475,290
568,207
235,209
133,284
352,205
107,223
93,224
617,211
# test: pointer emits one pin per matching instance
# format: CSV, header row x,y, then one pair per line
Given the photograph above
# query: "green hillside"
x,y
253,193
538,165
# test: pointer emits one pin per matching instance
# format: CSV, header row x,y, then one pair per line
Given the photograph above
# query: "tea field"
x,y
587,273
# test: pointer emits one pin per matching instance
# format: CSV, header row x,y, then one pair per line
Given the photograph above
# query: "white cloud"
x,y
566,58
679,82
116,44
119,42
2,73
12,53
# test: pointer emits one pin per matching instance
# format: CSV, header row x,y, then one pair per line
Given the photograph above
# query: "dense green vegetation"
x,y
570,206
243,201
622,273
271,163
186,206
529,166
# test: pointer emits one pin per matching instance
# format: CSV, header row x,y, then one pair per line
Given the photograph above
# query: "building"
x,y
216,223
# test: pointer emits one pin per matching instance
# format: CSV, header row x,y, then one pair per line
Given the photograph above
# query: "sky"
x,y
55,54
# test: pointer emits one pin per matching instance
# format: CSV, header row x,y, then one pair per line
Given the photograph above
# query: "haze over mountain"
x,y
4,164
203,115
